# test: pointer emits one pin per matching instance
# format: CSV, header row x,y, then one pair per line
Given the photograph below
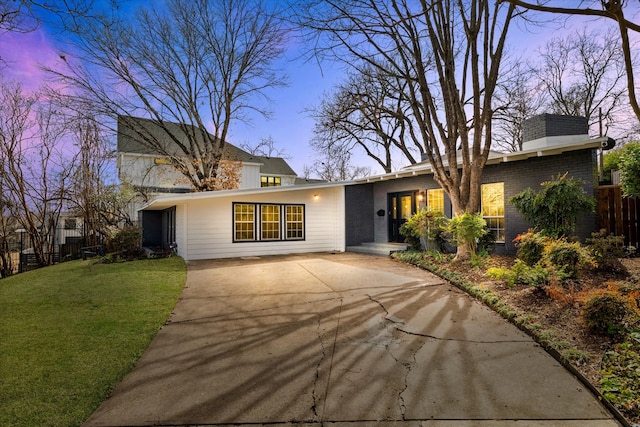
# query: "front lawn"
x,y
70,332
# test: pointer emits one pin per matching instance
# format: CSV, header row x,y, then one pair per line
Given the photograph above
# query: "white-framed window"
x,y
294,222
493,209
253,222
244,222
435,200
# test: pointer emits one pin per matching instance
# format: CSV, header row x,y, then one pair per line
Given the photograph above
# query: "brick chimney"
x,y
553,129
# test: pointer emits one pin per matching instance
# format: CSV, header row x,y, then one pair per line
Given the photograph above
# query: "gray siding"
x,y
517,176
359,214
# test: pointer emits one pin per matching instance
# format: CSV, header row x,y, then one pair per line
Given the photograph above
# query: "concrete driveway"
x,y
341,340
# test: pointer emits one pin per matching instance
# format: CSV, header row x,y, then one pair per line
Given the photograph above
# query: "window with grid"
x,y
244,220
493,209
294,222
270,222
270,181
435,200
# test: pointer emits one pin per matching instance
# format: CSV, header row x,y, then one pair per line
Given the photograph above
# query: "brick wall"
x,y
517,176
553,125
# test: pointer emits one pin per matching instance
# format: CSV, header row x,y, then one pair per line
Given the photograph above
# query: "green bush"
x,y
630,170
126,241
530,247
425,230
521,274
554,210
609,312
565,257
606,249
467,229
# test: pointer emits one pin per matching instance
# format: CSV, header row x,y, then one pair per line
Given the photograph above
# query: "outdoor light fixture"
x,y
421,196
316,196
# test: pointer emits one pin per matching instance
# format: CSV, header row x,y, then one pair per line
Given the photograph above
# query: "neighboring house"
x,y
345,215
153,174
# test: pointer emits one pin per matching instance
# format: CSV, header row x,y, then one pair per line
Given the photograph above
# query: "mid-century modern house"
x,y
342,216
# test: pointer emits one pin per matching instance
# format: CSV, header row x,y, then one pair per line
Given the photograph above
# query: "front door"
x,y
401,207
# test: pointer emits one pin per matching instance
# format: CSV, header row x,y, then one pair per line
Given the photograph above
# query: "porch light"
x,y
421,196
316,196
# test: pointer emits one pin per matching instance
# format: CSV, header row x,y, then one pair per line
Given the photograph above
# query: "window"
x,y
435,200
295,222
244,222
276,222
493,209
70,224
270,181
270,222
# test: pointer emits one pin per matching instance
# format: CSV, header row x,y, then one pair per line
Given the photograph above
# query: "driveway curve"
x,y
341,340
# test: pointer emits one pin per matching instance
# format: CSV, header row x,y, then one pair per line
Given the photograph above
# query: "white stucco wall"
x,y
204,227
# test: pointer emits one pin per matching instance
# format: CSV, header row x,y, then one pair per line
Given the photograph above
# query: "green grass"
x,y
70,332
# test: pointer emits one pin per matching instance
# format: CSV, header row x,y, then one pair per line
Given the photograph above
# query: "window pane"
x,y
270,222
435,200
244,222
493,209
295,222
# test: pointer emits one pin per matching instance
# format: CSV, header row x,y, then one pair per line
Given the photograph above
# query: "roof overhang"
x,y
424,168
169,200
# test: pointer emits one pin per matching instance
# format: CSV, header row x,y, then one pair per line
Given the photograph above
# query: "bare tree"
x,y
367,113
583,75
266,147
610,9
198,63
448,53
518,98
333,163
34,169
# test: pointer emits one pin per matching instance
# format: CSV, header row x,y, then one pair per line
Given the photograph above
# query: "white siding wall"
x,y
141,170
205,227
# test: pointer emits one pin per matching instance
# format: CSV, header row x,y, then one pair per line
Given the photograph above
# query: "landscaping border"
x,y
497,304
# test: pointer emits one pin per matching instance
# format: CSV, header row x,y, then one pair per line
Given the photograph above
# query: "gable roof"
x,y
130,141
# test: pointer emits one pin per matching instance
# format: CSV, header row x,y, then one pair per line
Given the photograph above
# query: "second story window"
x,y
270,181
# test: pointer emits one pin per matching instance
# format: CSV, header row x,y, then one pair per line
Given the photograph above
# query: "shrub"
x,y
566,258
554,210
530,247
630,170
606,249
467,229
521,274
126,241
425,230
609,312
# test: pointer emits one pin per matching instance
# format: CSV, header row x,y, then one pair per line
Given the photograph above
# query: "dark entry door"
x,y
401,207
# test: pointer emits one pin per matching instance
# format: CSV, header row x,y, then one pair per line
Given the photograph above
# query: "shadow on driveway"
x,y
341,339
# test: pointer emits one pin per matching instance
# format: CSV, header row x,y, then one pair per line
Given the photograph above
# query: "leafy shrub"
x,y
606,249
126,241
565,257
521,274
554,210
630,170
609,312
467,229
425,230
530,247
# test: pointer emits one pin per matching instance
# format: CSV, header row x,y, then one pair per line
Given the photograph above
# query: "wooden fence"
x,y
619,215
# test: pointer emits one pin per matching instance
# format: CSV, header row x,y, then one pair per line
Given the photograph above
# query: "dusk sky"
x,y
290,127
